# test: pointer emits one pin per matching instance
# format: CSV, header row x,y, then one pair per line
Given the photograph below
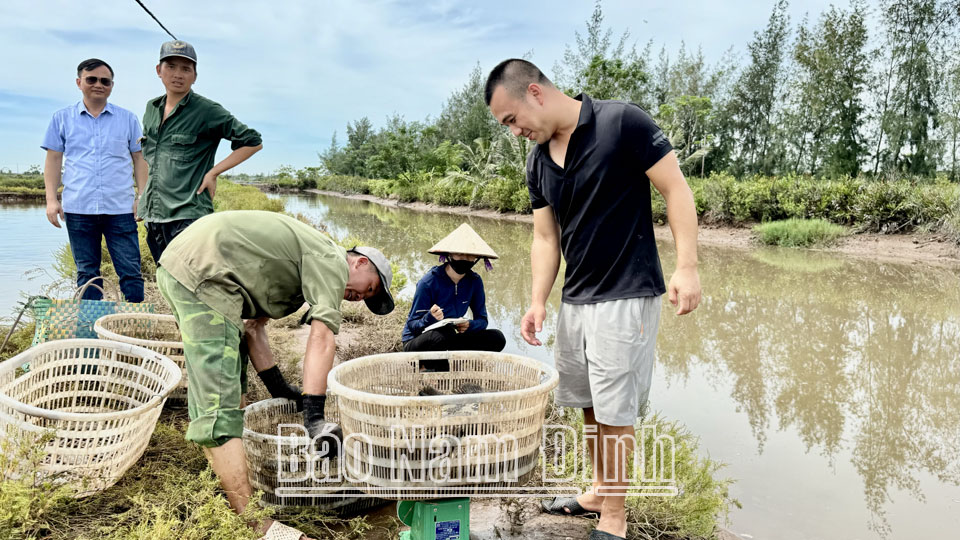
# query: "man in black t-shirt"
x,y
589,180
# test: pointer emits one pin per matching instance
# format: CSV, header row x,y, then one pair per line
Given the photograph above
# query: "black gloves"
x,y
327,435
279,387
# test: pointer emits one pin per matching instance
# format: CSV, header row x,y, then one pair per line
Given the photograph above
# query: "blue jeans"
x,y
120,231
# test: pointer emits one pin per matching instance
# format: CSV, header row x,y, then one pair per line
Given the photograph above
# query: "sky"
x,y
299,70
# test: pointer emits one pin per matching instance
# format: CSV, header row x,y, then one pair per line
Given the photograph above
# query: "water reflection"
x,y
852,356
857,359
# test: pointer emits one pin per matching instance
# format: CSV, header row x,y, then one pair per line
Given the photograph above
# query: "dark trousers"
x,y
447,339
159,235
85,232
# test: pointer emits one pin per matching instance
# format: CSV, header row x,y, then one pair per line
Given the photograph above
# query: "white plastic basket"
x,y
99,399
156,332
280,466
396,442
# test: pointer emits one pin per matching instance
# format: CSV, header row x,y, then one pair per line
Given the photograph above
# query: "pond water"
x,y
830,386
27,246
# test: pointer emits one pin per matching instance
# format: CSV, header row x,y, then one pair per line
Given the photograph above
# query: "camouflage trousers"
x,y
216,360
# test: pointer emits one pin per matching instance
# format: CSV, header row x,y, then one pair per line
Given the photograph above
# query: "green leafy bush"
x,y
29,181
499,194
344,184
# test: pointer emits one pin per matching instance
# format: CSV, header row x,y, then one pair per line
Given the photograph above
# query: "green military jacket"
x,y
248,264
180,150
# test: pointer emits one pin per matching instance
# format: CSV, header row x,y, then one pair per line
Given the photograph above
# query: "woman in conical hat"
x,y
453,292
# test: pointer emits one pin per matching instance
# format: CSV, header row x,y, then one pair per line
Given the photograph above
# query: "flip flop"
x,y
603,535
279,531
559,506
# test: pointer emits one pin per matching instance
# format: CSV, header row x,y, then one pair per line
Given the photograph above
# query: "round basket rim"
x,y
110,335
13,363
336,387
255,408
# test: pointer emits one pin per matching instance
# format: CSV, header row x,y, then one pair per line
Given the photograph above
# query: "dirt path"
x,y
916,247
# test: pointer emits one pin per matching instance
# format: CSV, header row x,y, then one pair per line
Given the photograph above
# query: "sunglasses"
x,y
103,80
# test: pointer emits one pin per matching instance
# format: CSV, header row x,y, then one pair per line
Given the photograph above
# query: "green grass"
x,y
232,196
799,232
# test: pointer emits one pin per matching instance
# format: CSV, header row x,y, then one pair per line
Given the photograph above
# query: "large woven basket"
x,y
277,465
98,399
159,333
399,445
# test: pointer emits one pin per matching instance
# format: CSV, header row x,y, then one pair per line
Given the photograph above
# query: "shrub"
x,y
308,177
952,226
440,192
821,199
521,200
19,340
26,181
405,187
799,232
499,195
344,184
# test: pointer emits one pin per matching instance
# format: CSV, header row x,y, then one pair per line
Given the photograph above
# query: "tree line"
x,y
860,90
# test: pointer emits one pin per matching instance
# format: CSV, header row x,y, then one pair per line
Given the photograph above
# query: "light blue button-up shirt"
x,y
98,169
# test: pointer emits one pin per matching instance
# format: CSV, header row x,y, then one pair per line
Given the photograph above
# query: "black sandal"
x,y
566,506
603,535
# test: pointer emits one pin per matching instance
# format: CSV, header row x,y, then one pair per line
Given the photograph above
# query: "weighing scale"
x,y
441,519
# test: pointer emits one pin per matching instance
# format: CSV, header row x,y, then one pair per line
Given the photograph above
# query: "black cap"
x,y
178,48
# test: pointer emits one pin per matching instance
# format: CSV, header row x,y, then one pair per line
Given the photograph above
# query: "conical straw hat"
x,y
464,240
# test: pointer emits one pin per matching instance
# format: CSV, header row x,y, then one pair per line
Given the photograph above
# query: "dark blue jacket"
x,y
436,287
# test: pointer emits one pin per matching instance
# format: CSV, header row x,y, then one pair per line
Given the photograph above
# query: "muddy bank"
x,y
13,198
917,247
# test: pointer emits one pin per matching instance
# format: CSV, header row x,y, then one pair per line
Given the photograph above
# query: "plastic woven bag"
x,y
74,317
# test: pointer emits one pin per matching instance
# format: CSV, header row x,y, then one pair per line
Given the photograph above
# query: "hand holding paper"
x,y
457,321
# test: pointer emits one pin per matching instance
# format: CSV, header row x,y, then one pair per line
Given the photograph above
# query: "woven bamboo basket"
x,y
278,465
99,400
159,333
398,445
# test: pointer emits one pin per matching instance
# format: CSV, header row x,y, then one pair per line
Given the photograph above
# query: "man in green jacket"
x,y
255,266
182,130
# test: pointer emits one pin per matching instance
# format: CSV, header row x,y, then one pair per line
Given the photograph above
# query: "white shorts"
x,y
605,353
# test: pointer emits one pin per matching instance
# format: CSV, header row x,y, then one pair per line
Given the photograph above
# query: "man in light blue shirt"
x,y
101,143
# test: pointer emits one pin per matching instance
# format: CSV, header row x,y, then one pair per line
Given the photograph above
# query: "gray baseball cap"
x,y
381,303
178,48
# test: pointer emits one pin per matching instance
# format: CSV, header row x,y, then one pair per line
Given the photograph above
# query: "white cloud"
x,y
298,70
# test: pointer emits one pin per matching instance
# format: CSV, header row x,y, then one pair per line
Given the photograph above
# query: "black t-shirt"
x,y
601,199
